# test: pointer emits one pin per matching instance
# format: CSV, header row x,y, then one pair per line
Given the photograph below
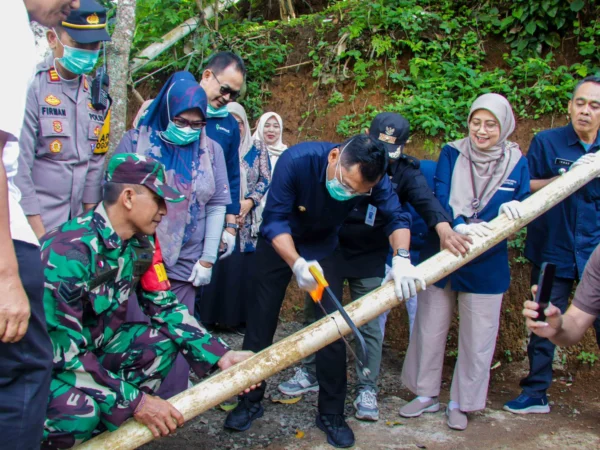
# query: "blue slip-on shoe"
x,y
241,418
525,404
339,434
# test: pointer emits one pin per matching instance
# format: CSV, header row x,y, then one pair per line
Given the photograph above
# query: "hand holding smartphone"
x,y
545,282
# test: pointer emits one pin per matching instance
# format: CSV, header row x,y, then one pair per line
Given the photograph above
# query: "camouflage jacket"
x,y
89,275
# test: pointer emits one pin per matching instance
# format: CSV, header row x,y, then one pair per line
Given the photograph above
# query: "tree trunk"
x,y
118,69
292,349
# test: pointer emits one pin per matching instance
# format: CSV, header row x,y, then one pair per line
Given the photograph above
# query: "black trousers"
x,y
26,366
270,278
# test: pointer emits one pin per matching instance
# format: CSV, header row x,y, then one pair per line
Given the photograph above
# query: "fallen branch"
x,y
293,65
175,35
292,349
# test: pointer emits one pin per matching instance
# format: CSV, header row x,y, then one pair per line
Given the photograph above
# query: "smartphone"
x,y
545,282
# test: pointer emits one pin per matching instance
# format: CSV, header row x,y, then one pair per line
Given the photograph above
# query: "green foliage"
x,y
430,60
518,243
587,358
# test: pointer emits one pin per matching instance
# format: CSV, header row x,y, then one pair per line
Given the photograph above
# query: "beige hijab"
x,y
245,144
498,162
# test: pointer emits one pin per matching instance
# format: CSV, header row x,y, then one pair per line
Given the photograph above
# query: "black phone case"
x,y
545,282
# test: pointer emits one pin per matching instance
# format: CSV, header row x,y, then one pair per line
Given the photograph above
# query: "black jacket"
x,y
363,248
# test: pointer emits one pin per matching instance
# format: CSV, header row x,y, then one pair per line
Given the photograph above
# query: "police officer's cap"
x,y
87,24
392,130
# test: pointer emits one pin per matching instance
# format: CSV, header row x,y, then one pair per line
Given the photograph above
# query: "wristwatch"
x,y
403,253
234,226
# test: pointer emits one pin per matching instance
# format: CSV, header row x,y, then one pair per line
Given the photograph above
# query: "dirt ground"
x,y
573,422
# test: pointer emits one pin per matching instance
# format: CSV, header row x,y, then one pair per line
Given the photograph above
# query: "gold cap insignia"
x,y
55,146
301,208
52,100
387,139
389,130
93,19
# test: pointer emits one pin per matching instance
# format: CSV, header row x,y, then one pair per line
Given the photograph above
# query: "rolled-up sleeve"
x,y
388,204
281,199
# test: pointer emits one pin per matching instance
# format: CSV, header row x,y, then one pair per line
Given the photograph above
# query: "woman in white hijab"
x,y
270,131
477,178
222,302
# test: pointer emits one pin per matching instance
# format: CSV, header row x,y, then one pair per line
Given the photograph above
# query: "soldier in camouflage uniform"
x,y
105,370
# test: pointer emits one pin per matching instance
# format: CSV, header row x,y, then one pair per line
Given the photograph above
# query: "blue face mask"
x,y
336,189
180,136
77,60
176,135
216,112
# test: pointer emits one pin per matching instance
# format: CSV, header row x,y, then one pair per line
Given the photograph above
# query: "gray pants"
x,y
371,331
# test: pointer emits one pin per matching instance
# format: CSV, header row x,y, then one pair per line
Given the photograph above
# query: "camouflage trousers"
x,y
137,353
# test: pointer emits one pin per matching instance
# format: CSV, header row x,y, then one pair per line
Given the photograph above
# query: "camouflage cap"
x,y
131,168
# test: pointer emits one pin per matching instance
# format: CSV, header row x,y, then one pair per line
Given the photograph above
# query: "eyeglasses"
x,y
180,122
349,189
226,90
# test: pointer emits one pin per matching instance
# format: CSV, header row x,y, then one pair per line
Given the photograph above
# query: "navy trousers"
x,y
25,366
541,350
271,276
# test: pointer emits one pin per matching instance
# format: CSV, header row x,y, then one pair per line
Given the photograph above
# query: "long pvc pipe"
x,y
292,349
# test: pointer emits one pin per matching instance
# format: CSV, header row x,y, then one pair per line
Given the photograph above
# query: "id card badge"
x,y
371,213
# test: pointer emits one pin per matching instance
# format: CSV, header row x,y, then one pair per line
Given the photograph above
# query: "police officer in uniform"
x,y
59,168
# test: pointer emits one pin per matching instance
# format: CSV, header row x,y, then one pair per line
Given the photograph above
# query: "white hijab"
x,y
279,147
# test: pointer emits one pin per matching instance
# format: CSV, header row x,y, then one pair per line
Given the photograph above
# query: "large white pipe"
x,y
292,349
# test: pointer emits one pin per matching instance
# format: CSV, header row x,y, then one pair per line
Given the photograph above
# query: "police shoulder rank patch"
x,y
52,100
57,126
55,146
53,76
86,86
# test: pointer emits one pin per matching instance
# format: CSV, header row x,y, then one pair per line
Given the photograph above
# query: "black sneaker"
x,y
241,418
339,434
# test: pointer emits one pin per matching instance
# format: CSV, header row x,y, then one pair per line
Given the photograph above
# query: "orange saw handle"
x,y
322,283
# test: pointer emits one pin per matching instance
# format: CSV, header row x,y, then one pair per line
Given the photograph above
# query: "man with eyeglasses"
x,y
61,165
222,80
315,186
363,251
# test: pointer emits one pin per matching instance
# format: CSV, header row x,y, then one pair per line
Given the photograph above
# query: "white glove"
x,y
200,275
305,280
229,240
512,209
588,158
404,275
480,229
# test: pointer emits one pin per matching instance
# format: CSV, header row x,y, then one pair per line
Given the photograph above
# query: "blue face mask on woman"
x,y
180,136
78,60
336,189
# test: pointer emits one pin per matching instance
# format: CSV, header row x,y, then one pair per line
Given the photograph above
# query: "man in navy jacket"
x,y
315,186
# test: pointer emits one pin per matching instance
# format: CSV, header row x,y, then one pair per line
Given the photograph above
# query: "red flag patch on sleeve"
x,y
155,278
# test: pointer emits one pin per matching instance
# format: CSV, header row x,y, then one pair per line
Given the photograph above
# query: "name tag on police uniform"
x,y
370,217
